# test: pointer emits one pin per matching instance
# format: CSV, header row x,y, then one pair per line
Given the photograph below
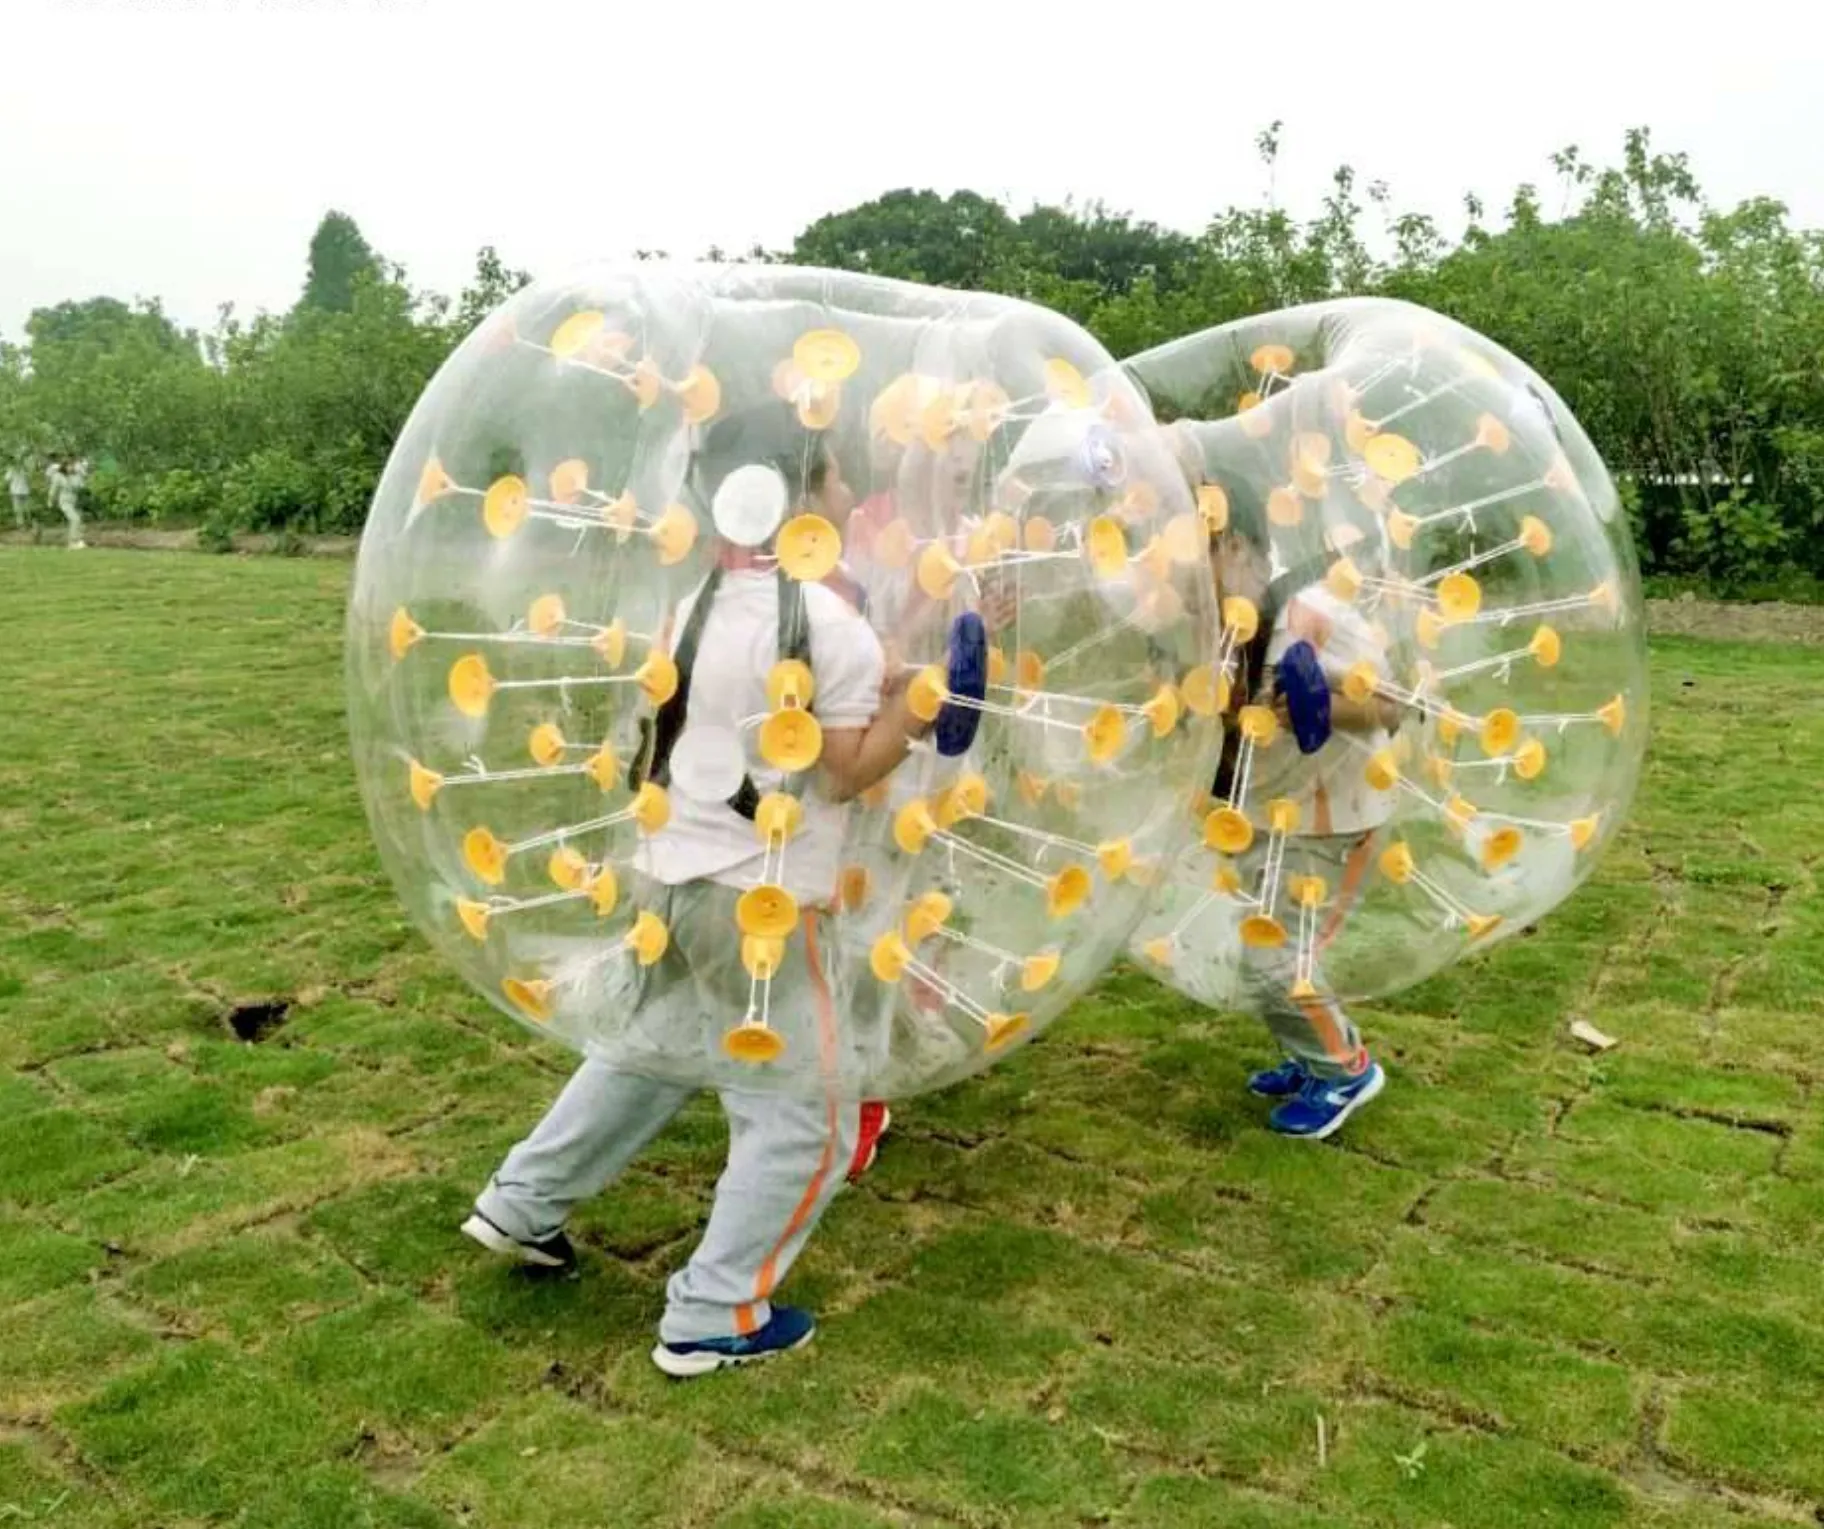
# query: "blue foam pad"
x,y
1307,692
955,728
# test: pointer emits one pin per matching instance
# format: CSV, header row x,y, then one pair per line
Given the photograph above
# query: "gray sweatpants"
x,y
21,509
1318,1031
787,1159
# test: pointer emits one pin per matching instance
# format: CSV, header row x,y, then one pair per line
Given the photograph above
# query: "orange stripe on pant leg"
x,y
1318,1015
807,1204
1354,868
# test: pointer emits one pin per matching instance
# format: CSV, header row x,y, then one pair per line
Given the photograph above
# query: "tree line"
x,y
1688,339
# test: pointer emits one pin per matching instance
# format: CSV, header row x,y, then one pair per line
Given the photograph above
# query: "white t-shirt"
x,y
1331,786
17,483
709,840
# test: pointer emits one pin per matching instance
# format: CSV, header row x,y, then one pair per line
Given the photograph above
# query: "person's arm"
x,y
855,758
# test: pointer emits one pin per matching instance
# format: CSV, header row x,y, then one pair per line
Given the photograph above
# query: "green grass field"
x,y
1530,1287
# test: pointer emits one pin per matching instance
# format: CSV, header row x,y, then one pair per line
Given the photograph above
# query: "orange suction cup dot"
x,y
768,912
913,826
568,480
937,571
532,999
471,686
1500,731
826,355
474,917
1382,772
700,395
402,633
648,939
889,955
927,693
1038,970
576,333
1397,863
1273,360
1065,384
485,855
434,482
1391,458
1115,856
1261,931
567,869
754,1043
604,889
1002,1030
1228,830
1067,891
1241,616
1459,597
651,807
791,740
778,816
646,384
1104,734
657,676
425,784
610,644
809,548
546,745
1500,847
762,957
928,914
505,506
603,768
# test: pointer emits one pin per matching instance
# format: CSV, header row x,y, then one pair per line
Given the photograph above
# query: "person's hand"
x,y
998,607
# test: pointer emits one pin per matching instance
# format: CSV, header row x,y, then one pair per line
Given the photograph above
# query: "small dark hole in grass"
x,y
256,1021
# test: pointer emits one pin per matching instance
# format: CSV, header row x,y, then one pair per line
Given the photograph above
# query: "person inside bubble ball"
x,y
788,1156
1327,1073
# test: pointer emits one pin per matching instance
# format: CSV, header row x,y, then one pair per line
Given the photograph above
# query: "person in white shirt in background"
x,y
19,485
65,478
1327,1073
787,1156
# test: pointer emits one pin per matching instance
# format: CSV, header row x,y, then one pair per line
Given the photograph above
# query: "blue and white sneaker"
x,y
1280,1082
790,1327
1321,1106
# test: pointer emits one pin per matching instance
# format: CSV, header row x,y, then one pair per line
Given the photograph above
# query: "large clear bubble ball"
x,y
661,553
1432,667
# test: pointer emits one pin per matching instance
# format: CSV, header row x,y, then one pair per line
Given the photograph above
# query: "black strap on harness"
x,y
1254,656
660,733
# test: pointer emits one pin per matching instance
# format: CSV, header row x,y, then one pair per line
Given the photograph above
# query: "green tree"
x,y
339,258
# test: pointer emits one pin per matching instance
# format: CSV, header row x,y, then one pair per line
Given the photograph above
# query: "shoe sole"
x,y
1329,1129
690,1366
496,1241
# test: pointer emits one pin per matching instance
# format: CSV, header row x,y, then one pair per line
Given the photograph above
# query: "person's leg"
x,y
788,1157
73,518
20,502
1315,1031
598,1125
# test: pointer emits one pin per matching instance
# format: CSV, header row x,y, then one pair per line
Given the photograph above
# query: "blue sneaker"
x,y
791,1327
1280,1082
1319,1108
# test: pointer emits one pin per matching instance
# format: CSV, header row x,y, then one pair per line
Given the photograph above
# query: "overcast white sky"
x,y
186,148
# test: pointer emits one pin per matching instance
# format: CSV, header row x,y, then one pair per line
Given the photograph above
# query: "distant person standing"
x,y
66,476
19,485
